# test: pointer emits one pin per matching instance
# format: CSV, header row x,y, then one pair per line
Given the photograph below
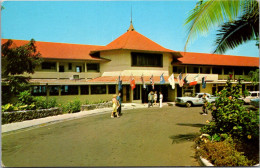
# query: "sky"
x,y
101,22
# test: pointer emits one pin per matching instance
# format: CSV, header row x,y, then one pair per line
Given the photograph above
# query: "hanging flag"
x,y
185,79
142,79
162,81
152,81
204,82
132,83
180,80
195,80
119,84
171,80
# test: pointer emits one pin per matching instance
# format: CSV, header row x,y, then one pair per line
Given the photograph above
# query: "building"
x,y
90,72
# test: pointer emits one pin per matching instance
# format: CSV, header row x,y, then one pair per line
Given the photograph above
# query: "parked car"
x,y
252,95
196,100
255,102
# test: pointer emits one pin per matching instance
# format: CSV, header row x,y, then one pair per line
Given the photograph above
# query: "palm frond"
x,y
237,32
209,14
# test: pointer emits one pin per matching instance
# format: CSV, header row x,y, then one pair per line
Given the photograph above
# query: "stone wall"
x,y
95,106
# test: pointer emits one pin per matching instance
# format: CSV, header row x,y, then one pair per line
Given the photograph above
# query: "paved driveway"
x,y
141,137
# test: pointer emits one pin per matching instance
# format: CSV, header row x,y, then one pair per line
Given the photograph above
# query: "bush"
x,y
25,97
223,153
10,117
72,107
42,103
229,116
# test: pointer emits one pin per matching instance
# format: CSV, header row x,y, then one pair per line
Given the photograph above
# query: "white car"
x,y
196,100
253,95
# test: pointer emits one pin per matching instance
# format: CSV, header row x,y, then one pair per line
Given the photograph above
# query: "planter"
x,y
17,116
95,106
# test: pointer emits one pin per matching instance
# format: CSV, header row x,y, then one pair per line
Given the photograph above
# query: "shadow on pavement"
x,y
191,125
183,137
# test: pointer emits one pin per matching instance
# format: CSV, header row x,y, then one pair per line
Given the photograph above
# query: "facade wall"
x,y
120,64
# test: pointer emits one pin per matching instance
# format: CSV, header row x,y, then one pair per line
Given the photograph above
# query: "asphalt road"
x,y
140,137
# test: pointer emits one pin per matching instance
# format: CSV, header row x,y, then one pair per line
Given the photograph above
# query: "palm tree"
x,y
238,20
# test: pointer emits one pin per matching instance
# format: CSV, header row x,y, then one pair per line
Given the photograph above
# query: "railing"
x,y
191,76
64,75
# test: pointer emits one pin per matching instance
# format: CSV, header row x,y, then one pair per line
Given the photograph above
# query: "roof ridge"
x,y
55,42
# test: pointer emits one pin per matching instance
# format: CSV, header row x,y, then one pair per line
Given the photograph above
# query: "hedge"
x,y
17,116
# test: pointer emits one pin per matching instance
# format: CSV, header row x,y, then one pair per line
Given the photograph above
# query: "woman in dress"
x,y
115,106
161,99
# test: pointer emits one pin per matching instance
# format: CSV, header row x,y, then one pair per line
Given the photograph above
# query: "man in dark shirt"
x,y
118,98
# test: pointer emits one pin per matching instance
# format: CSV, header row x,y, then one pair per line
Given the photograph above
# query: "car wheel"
x,y
188,104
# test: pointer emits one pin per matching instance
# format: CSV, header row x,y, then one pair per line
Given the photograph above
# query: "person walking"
x,y
152,98
118,98
115,105
204,107
149,99
155,98
161,99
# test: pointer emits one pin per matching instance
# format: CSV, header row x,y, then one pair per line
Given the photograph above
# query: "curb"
x,y
59,118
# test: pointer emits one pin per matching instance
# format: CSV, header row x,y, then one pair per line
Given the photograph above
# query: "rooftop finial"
x,y
131,27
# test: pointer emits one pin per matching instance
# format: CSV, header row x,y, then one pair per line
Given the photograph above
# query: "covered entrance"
x,y
158,88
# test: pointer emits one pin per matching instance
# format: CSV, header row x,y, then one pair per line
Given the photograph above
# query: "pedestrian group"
x,y
152,99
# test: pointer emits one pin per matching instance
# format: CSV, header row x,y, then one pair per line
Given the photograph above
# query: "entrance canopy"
x,y
126,79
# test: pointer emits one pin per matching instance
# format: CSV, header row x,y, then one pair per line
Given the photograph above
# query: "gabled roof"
x,y
133,40
217,59
62,50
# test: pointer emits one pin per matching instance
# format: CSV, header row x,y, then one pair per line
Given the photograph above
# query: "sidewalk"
x,y
64,117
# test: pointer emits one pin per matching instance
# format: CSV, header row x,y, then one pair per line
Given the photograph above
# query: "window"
x,y
84,89
238,71
78,69
61,68
174,69
69,90
54,90
205,70
39,91
217,70
228,70
248,69
49,65
111,89
137,92
93,67
192,69
179,69
70,66
188,91
147,59
98,89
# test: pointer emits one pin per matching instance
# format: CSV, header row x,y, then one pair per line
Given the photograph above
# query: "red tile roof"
x,y
134,41
61,50
217,59
126,79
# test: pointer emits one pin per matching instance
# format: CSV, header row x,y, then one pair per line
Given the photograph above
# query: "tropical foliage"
x,y
238,20
229,116
15,62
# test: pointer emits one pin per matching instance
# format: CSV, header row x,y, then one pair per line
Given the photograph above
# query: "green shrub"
x,y
72,107
10,117
42,103
223,154
229,116
25,97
